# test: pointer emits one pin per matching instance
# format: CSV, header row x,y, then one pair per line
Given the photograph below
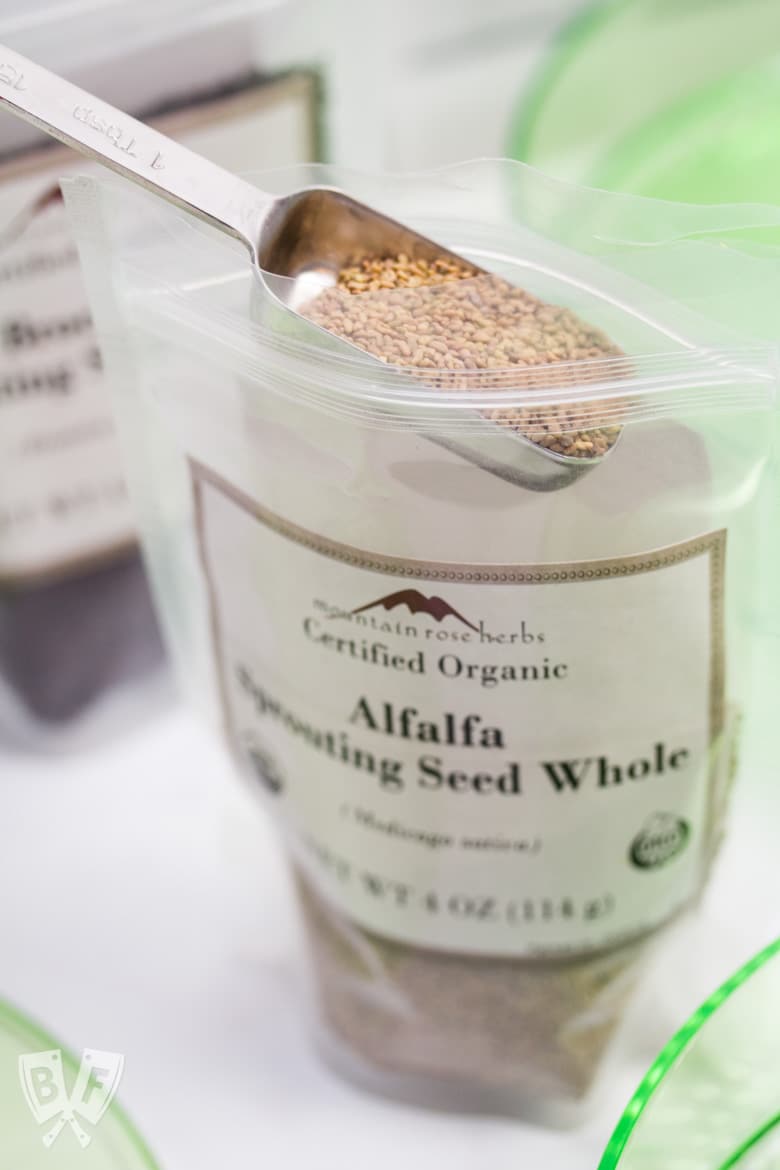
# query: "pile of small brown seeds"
x,y
474,330
532,1028
372,273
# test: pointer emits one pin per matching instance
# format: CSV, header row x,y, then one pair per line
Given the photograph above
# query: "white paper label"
x,y
62,493
492,758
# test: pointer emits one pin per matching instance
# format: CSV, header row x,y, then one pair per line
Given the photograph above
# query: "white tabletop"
x,y
147,912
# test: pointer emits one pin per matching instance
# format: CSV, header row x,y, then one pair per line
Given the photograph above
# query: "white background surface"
x,y
146,911
144,906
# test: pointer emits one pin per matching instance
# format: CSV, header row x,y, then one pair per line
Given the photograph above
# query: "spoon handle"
x,y
134,150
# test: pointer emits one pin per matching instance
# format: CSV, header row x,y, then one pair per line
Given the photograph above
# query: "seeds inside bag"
x,y
534,1029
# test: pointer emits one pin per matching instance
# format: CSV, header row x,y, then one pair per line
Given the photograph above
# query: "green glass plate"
x,y
672,98
720,144
32,1064
711,1101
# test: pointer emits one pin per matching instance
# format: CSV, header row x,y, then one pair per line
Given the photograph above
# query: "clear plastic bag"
x,y
477,626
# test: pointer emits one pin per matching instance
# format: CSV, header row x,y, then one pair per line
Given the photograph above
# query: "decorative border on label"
x,y
557,572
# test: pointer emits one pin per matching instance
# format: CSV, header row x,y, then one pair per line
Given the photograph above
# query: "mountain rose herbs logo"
x,y
417,602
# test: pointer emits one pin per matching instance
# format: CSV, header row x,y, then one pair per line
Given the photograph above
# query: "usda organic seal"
x,y
663,837
263,766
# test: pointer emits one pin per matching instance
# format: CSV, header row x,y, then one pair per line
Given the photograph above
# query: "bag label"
x,y
495,758
63,500
62,494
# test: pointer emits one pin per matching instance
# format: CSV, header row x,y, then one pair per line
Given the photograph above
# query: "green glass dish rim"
x,y
626,156
671,1053
564,45
15,1022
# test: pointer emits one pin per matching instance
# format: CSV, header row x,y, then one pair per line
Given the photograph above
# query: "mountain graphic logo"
x,y
417,602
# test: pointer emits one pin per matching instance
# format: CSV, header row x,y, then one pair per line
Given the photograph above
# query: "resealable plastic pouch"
x,y
465,567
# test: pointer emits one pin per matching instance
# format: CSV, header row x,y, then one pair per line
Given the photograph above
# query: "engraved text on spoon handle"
x,y
136,151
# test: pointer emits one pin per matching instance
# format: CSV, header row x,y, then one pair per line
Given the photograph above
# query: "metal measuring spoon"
x,y
305,237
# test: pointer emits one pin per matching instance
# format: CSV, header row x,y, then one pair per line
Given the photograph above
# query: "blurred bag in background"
x,y
79,643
